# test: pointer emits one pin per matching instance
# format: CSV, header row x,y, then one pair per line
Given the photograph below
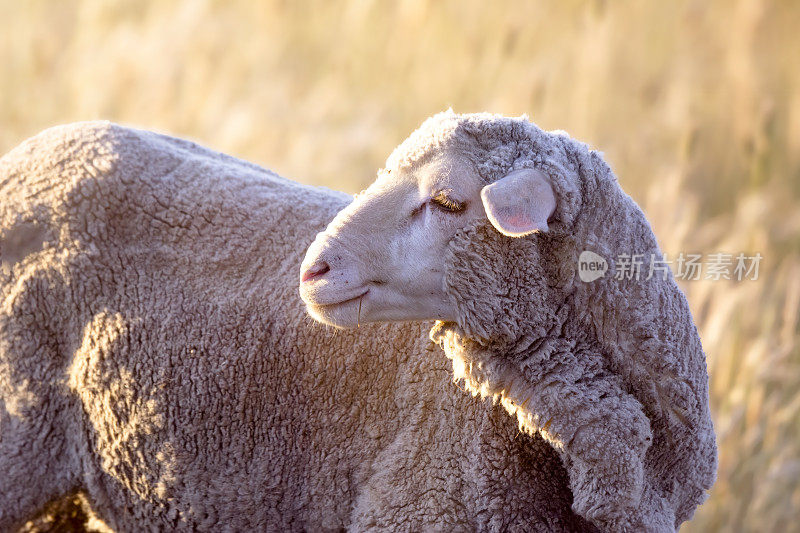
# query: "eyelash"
x,y
448,204
442,202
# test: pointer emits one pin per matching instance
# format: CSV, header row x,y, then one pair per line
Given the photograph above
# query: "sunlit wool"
x,y
154,353
610,372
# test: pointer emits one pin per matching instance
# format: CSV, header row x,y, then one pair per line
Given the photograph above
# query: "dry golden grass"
x,y
696,105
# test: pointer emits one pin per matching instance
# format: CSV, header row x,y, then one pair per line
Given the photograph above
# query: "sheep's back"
x,y
167,274
194,391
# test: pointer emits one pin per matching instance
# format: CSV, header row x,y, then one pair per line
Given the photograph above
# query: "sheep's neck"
x,y
504,377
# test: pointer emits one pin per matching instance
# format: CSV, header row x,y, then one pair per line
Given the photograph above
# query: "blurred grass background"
x,y
695,104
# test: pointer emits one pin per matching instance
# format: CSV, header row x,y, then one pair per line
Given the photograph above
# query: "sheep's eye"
x,y
445,202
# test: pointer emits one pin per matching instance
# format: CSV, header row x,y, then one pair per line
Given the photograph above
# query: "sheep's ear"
x,y
520,203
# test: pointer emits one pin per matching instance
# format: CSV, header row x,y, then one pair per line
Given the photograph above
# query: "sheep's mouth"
x,y
345,313
338,303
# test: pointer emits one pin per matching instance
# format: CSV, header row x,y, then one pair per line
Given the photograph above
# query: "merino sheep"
x,y
478,221
154,354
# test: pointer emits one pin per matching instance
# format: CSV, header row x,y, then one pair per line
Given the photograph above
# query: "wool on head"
x,y
612,372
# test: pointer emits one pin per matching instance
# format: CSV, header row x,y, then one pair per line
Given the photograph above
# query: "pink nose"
x,y
314,271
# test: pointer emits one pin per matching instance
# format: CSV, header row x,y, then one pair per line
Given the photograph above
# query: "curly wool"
x,y
154,353
611,373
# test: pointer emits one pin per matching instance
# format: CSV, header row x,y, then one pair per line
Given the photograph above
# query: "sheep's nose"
x,y
316,270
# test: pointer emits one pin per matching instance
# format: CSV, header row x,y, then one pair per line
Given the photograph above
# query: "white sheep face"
x,y
382,258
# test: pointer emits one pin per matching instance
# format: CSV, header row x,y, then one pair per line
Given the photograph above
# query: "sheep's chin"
x,y
344,315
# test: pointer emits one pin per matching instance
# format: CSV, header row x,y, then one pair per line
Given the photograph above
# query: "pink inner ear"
x,y
519,203
518,220
515,219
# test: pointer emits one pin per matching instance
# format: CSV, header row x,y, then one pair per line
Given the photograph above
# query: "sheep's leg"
x,y
36,465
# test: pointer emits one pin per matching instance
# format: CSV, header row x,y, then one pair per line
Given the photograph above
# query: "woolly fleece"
x,y
154,353
612,372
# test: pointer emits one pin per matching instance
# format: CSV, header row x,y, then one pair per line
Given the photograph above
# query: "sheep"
x,y
155,356
479,222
